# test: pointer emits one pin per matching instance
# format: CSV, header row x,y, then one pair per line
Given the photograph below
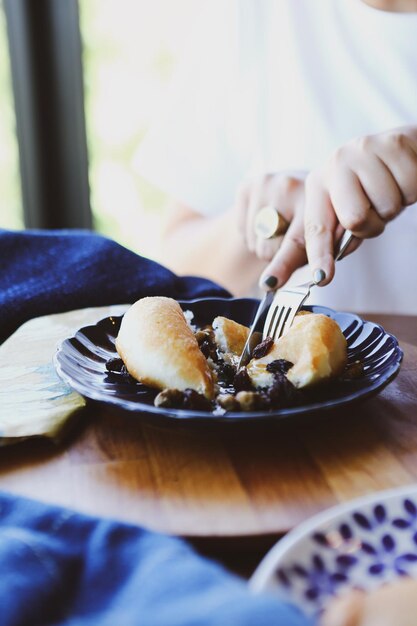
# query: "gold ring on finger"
x,y
270,223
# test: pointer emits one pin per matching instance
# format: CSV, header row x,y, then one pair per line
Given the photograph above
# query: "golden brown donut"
x,y
159,349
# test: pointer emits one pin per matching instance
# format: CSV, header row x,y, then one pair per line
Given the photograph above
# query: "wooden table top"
x,y
233,480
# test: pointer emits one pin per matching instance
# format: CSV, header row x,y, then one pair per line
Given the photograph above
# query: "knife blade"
x,y
254,336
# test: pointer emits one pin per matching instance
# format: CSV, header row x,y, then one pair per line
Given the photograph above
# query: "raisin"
x,y
206,348
282,392
194,400
169,399
226,373
262,348
115,365
204,335
241,381
205,340
116,369
187,399
280,366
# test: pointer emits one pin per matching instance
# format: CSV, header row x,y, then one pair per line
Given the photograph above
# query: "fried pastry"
x,y
230,336
159,348
316,347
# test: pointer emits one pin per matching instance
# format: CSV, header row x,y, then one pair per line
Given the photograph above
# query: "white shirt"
x,y
278,85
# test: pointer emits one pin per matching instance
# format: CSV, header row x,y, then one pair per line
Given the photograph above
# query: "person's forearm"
x,y
214,248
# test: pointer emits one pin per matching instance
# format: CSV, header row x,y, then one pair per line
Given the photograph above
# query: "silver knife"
x,y
254,336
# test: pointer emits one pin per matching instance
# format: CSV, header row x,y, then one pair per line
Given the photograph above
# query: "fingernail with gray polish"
x,y
319,276
271,282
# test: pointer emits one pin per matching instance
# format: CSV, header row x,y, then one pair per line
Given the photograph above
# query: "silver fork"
x,y
289,300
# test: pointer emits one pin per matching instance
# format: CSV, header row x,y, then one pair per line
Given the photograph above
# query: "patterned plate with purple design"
x,y
362,544
81,362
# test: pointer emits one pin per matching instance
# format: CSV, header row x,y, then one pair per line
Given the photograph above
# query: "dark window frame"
x,y
46,66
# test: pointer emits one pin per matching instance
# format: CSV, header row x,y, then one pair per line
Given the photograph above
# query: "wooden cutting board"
x,y
225,480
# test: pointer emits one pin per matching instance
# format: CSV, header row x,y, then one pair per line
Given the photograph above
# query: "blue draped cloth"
x,y
60,567
63,568
46,272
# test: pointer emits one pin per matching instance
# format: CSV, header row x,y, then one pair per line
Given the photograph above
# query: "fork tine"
x,y
292,312
283,314
288,301
280,325
285,306
270,324
272,312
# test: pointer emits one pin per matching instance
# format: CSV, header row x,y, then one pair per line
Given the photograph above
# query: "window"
x,y
11,210
130,50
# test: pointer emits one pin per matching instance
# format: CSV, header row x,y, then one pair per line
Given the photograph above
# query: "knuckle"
x,y
297,239
314,229
410,196
365,143
389,211
377,230
339,157
396,141
355,221
287,184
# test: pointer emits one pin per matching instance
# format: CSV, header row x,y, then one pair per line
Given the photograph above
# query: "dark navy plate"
x,y
81,362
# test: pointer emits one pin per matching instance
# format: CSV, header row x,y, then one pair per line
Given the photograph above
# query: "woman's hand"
x,y
285,193
365,184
